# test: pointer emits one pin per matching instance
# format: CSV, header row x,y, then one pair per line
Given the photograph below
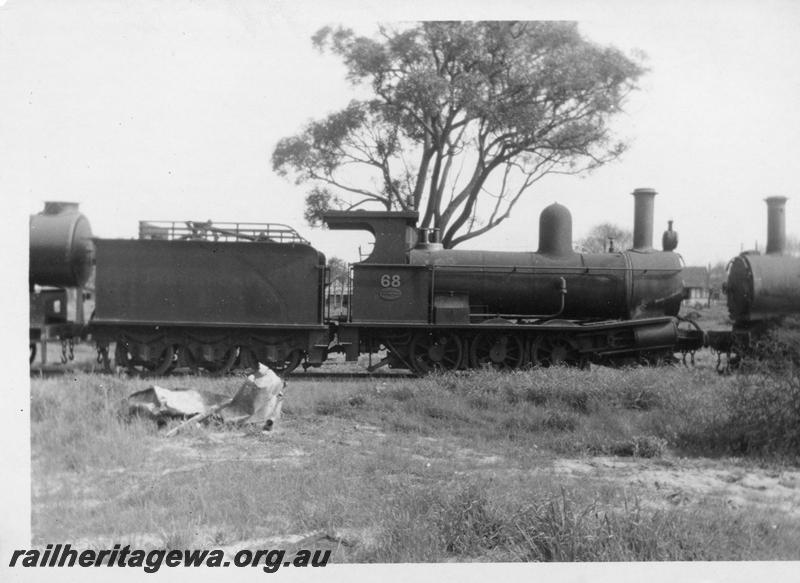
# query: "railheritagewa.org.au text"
x,y
64,556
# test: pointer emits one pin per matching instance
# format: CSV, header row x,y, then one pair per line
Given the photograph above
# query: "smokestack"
x,y
776,224
643,218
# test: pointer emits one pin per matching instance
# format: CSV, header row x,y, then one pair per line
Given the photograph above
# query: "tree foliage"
x,y
600,237
463,118
339,270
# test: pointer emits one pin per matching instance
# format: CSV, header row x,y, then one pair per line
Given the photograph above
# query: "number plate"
x,y
390,293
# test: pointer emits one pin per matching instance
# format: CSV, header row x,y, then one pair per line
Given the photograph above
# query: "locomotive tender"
x,y
210,296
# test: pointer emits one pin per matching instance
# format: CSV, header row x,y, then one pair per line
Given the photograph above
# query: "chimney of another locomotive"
x,y
555,231
643,218
776,224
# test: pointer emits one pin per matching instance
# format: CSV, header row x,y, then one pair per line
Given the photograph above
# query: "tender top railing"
x,y
208,231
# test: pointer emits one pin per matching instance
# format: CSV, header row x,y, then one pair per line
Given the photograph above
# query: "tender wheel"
x,y
224,364
160,363
184,358
436,351
292,362
121,355
247,361
555,349
102,357
499,350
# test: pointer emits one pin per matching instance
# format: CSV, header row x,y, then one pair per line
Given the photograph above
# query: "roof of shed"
x,y
695,276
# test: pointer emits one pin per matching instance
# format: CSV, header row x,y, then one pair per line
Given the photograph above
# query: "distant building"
x,y
696,284
337,299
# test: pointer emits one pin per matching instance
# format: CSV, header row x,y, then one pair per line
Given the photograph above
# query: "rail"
x,y
208,231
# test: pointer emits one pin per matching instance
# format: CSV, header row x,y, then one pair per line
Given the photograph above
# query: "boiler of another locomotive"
x,y
61,247
762,287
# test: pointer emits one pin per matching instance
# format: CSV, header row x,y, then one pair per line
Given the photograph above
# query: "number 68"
x,y
390,280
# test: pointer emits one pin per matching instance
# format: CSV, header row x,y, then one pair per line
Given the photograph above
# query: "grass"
x,y
449,467
473,522
641,411
765,406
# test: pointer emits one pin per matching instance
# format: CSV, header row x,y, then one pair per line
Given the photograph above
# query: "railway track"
x,y
55,370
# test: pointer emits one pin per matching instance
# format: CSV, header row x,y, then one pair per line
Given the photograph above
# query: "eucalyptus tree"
x,y
601,236
460,120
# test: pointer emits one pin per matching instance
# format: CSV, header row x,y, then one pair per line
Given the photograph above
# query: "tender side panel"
x,y
207,283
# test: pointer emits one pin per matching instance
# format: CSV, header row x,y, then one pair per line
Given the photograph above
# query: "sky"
x,y
171,111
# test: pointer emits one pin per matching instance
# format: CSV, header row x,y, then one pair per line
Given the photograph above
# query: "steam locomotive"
x,y
223,296
762,290
436,308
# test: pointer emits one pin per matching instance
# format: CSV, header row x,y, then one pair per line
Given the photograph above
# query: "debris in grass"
x,y
258,402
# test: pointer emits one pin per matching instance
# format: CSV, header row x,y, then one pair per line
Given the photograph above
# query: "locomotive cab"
x,y
386,287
